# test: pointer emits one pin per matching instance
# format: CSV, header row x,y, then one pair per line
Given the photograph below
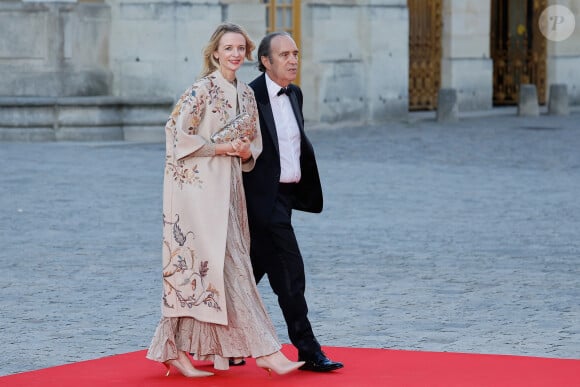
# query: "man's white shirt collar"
x,y
273,87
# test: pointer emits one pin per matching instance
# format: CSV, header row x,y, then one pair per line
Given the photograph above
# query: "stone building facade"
x,y
362,60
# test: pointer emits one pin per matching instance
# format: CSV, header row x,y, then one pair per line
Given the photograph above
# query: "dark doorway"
x,y
518,49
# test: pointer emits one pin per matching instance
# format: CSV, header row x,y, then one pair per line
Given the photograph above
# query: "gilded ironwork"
x,y
518,49
424,53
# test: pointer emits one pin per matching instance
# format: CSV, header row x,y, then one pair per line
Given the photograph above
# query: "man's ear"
x,y
265,61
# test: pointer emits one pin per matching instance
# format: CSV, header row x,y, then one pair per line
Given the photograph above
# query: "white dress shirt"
x,y
288,133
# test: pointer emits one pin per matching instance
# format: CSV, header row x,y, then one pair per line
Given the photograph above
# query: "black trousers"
x,y
275,252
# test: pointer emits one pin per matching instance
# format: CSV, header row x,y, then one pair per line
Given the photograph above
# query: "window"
x,y
284,15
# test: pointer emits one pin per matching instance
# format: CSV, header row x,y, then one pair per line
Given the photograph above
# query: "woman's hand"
x,y
241,148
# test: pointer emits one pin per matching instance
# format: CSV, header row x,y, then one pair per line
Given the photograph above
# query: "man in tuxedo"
x,y
285,177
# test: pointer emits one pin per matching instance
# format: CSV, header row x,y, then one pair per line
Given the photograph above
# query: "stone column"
x,y
466,64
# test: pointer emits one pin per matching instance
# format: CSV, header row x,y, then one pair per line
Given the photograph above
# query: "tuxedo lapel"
x,y
296,108
263,101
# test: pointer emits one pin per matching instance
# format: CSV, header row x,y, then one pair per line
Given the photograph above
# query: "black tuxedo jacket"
x,y
261,184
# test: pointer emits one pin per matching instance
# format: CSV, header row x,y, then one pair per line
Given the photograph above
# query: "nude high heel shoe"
x,y
278,363
185,367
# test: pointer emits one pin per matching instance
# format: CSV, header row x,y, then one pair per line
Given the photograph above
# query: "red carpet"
x,y
363,367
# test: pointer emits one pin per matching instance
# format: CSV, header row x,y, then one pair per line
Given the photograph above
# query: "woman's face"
x,y
231,52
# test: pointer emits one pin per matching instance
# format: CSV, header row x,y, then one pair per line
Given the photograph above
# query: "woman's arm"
x,y
210,149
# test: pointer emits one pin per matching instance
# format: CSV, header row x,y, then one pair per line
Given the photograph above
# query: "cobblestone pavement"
x,y
459,237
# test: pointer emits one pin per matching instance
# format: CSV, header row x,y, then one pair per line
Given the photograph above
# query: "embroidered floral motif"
x,y
183,175
191,105
196,104
218,100
180,274
247,96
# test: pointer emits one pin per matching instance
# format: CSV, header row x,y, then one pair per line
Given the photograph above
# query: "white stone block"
x,y
466,29
447,106
528,101
23,34
558,100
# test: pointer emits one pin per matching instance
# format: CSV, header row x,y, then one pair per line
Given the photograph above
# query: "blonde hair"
x,y
210,64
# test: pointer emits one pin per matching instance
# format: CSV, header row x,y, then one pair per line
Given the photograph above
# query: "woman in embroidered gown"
x,y
211,306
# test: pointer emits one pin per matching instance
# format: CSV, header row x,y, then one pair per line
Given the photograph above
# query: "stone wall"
x,y
157,44
160,51
54,49
564,57
353,67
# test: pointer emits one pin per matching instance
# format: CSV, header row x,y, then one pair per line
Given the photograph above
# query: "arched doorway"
x,y
518,49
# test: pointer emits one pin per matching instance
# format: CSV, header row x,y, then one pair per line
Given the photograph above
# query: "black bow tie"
x,y
284,90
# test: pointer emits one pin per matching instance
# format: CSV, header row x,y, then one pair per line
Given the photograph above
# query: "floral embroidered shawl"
x,y
196,194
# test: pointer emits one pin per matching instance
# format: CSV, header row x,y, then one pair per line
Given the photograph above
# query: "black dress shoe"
x,y
318,362
238,363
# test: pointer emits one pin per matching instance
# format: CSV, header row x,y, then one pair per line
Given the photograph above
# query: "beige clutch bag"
x,y
240,126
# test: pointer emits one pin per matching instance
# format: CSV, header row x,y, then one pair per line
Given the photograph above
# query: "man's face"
x,y
282,66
